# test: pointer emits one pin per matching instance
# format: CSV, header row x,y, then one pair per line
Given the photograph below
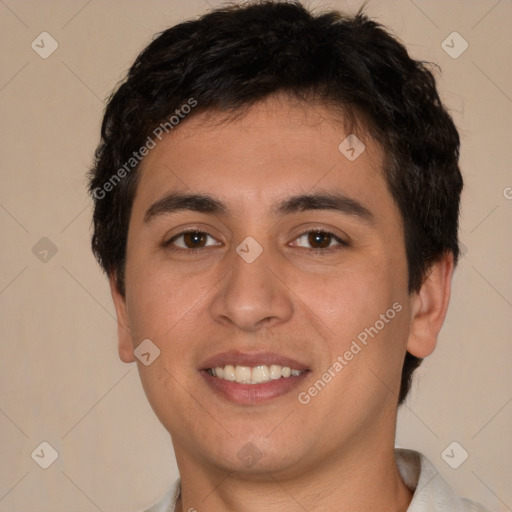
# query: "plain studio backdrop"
x,y
60,378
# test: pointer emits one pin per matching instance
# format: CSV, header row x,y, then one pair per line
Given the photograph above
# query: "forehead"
x,y
278,147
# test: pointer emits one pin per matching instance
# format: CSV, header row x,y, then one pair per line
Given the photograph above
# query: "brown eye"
x,y
192,240
319,239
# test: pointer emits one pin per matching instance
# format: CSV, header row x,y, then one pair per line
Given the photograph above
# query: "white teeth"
x,y
229,372
254,375
260,374
275,371
242,373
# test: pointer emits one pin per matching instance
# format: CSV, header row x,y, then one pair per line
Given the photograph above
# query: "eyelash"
x,y
315,250
312,250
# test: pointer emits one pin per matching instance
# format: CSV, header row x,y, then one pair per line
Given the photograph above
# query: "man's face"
x,y
211,299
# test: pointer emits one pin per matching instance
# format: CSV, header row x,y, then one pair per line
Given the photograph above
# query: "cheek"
x,y
159,299
362,309
350,295
365,316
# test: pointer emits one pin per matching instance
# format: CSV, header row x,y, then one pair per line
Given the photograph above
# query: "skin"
x,y
336,452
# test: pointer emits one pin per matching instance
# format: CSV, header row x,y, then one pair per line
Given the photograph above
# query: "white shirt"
x,y
431,492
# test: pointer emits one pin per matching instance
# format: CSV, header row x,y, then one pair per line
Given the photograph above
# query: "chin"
x,y
255,456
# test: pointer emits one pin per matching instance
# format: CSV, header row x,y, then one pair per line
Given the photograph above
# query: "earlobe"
x,y
125,342
429,307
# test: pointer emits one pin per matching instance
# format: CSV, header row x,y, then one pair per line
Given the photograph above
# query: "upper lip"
x,y
252,359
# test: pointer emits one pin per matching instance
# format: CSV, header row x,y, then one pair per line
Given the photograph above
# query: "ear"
x,y
125,342
429,307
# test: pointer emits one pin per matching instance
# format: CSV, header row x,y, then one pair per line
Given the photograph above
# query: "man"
x,y
276,206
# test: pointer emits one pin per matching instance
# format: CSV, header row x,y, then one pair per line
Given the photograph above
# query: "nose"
x,y
252,295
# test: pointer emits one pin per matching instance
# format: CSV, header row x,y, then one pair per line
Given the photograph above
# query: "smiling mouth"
x,y
253,375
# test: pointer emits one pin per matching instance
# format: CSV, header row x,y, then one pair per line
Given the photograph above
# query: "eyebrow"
x,y
178,202
325,201
204,203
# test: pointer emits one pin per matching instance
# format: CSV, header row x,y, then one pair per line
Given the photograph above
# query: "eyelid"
x,y
170,241
327,228
338,238
340,241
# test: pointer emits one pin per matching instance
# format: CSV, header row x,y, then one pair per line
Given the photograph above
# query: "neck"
x,y
368,481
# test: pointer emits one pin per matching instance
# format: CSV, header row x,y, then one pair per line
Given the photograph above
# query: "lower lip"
x,y
250,394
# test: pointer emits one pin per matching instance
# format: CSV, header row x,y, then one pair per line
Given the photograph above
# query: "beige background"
x,y
60,378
